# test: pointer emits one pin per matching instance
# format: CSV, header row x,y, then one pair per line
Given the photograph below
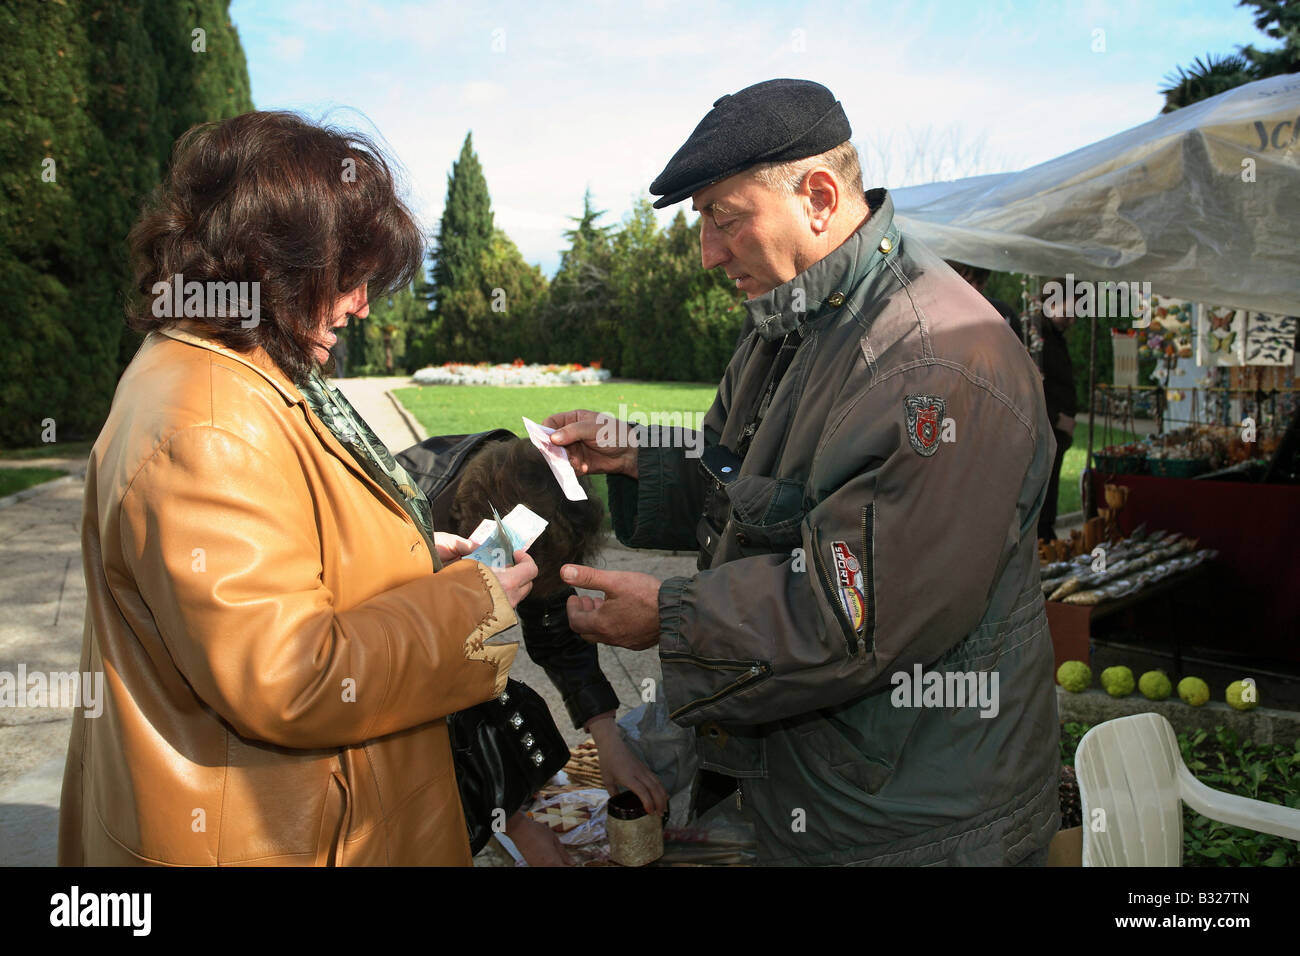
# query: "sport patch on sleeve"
x,y
848,575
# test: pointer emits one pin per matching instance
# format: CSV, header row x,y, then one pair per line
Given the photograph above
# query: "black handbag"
x,y
504,751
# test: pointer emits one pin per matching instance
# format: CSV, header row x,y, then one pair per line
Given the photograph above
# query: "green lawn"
x,y
462,409
1068,497
457,409
14,480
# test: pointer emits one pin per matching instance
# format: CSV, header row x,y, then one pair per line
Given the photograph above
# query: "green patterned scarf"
x,y
338,415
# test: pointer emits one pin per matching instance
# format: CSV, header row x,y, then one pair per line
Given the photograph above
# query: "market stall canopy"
x,y
1203,203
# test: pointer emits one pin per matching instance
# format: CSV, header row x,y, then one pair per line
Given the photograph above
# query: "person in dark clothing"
x,y
978,278
514,472
464,477
506,473
1053,359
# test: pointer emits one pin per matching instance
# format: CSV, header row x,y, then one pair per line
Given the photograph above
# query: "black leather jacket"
x,y
570,662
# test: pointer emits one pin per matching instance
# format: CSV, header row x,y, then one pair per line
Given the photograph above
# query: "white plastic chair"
x,y
1131,769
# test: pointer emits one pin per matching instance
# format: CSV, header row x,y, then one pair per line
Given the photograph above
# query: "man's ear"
x,y
823,194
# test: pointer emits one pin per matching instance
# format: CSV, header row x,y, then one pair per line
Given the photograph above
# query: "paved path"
x,y
43,596
371,397
43,601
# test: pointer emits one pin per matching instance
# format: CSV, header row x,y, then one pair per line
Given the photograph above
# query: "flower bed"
x,y
516,373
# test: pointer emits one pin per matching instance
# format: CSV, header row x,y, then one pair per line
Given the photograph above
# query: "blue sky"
x,y
561,97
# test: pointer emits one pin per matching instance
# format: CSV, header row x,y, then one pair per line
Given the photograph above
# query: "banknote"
x,y
557,458
497,539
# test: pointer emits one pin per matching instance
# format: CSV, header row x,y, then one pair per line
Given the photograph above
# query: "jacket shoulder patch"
x,y
923,415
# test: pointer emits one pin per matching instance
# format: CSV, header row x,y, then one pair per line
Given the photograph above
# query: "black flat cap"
x,y
775,121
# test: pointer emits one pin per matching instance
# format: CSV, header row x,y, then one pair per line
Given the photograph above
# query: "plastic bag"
x,y
667,749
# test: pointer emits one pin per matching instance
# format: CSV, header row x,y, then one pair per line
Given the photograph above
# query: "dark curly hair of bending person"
x,y
508,473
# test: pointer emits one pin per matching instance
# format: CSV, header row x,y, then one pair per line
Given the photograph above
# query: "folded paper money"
x,y
496,539
557,458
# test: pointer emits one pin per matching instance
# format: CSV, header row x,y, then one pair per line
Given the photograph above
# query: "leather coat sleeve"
x,y
255,631
770,636
571,663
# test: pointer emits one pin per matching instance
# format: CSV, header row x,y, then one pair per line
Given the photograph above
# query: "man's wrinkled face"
x,y
753,232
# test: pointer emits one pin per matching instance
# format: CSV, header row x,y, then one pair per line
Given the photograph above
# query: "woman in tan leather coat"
x,y
278,653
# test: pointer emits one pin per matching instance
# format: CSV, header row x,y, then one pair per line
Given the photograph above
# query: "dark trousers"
x,y
1047,517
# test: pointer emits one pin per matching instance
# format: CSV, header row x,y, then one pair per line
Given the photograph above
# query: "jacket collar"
x,y
828,283
193,333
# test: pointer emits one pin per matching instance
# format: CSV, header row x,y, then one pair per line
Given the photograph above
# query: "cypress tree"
x,y
465,232
464,243
577,322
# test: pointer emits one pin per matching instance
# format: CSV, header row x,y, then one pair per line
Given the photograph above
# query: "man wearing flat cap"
x,y
864,653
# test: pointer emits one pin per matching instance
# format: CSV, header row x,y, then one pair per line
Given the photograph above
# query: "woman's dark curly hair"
x,y
308,212
508,473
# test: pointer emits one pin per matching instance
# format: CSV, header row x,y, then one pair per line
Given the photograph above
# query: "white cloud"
x,y
477,94
290,49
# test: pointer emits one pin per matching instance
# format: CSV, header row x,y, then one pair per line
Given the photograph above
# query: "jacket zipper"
x,y
867,641
850,638
755,671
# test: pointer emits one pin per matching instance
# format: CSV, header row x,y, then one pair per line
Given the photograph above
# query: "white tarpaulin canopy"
x,y
1203,203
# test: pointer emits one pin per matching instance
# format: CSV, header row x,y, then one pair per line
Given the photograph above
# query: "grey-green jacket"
x,y
882,525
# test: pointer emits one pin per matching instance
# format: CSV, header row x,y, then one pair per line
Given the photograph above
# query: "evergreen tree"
x,y
485,298
359,353
636,299
466,227
92,97
390,331
464,236
1279,19
423,348
467,223
677,321
711,304
495,307
516,295
577,324
585,228
645,286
